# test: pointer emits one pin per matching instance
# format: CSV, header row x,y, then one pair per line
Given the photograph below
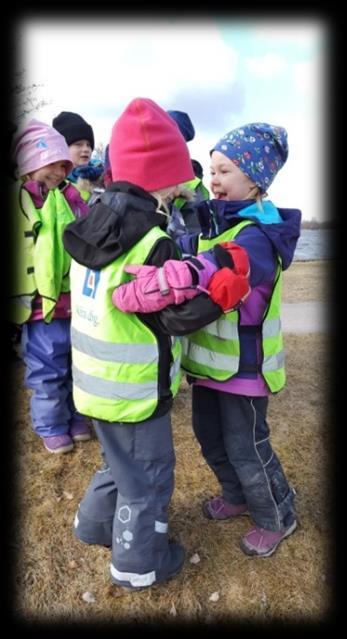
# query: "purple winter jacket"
x,y
263,242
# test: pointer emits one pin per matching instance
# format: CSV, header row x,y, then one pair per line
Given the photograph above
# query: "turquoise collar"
x,y
269,215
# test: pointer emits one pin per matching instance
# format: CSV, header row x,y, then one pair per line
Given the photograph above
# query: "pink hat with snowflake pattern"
x,y
38,145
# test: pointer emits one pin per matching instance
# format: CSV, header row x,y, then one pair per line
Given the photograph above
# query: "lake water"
x,y
315,244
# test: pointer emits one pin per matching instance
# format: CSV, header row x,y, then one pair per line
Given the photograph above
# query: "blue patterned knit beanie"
x,y
258,149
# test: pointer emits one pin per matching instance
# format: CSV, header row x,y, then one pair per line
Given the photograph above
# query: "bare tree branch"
x,y
23,97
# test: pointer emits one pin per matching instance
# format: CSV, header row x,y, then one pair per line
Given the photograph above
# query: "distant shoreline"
x,y
316,226
314,259
315,244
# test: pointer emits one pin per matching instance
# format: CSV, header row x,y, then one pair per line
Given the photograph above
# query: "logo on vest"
x,y
91,282
87,315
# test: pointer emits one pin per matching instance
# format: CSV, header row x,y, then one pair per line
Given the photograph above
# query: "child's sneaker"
x,y
79,431
58,443
263,543
173,567
218,508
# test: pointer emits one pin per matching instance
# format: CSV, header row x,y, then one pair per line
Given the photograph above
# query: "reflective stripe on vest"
x,y
273,368
39,263
214,351
115,355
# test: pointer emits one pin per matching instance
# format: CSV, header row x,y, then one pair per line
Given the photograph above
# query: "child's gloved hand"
x,y
154,288
233,256
229,287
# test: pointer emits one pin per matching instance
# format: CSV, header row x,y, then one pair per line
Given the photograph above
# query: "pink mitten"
x,y
156,287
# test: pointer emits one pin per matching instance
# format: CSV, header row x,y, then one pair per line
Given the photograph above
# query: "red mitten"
x,y
228,289
238,256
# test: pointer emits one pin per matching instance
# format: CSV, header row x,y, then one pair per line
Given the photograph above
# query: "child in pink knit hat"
x,y
126,366
43,204
37,147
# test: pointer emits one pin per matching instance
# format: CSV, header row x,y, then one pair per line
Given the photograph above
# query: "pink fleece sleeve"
x,y
154,288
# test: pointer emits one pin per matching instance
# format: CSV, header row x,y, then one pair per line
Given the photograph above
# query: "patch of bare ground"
x,y
53,569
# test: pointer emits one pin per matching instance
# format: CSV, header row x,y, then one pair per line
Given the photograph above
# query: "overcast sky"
x,y
224,72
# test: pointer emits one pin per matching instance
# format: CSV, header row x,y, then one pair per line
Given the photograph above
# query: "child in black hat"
x,y
79,136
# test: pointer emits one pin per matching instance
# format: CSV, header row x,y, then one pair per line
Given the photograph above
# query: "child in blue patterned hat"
x,y
258,151
236,362
234,371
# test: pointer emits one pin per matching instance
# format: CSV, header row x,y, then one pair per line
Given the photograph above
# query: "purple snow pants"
x,y
46,351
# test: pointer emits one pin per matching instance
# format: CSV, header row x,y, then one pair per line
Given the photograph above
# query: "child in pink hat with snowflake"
x,y
43,203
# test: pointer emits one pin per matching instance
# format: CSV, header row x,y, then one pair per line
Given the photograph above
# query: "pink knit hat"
x,y
147,148
37,145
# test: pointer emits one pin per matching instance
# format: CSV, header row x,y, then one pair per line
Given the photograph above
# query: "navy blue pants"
x,y
234,437
46,351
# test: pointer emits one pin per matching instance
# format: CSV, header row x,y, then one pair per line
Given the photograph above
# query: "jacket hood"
x,y
216,216
122,216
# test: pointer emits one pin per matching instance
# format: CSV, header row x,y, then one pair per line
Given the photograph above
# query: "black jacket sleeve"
x,y
187,317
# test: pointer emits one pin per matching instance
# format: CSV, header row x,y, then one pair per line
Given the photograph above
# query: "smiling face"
x,y
52,174
81,152
228,182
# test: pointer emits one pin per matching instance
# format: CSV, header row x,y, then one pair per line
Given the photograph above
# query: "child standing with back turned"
x,y
126,366
236,362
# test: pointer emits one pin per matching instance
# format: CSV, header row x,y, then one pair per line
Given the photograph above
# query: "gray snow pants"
x,y
126,503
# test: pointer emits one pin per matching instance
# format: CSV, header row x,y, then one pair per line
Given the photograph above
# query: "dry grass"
x,y
53,569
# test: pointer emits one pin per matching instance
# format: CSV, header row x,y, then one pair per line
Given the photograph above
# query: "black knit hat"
x,y
73,127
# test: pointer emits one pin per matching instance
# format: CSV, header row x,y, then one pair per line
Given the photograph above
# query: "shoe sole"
x,y
208,515
155,583
172,575
253,552
80,438
65,449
